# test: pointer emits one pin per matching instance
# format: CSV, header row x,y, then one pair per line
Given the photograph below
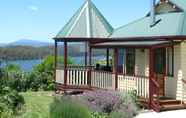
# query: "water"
x,y
27,65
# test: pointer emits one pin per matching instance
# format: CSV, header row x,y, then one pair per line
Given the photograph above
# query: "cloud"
x,y
33,8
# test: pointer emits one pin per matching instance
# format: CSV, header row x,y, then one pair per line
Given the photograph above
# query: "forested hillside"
x,y
29,52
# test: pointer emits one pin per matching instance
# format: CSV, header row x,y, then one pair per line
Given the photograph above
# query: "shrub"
x,y
115,104
102,101
5,112
65,107
11,99
98,115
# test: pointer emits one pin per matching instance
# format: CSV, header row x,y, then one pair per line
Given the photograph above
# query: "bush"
x,y
11,101
102,101
98,115
41,78
65,107
115,104
5,112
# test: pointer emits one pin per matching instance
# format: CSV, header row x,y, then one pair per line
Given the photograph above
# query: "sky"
x,y
42,19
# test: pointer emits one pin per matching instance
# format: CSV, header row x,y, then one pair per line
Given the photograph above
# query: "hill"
x,y
28,42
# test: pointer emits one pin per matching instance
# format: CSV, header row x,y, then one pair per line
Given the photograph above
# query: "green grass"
x,y
36,104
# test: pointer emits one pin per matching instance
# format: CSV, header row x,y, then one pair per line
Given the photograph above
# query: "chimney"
x,y
152,13
163,1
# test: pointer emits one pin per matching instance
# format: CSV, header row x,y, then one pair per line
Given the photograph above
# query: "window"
x,y
130,61
170,61
160,61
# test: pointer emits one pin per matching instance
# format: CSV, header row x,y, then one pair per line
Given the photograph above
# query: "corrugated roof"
x,y
169,24
86,23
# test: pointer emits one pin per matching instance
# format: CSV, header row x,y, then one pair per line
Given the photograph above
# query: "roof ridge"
x,y
103,18
88,13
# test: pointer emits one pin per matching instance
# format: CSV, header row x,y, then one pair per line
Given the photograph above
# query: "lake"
x,y
27,65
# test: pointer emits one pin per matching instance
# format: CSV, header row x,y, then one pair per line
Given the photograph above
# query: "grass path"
x,y
37,104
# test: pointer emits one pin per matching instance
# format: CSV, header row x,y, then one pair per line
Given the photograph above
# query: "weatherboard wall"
x,y
142,62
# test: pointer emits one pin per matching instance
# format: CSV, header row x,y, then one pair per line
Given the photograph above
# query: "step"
x,y
169,102
172,107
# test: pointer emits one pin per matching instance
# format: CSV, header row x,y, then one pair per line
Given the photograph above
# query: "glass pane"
x,y
130,61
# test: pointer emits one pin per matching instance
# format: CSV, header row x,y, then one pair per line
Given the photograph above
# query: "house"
x,y
155,54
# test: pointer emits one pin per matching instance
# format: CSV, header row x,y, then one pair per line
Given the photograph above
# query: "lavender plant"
x,y
115,104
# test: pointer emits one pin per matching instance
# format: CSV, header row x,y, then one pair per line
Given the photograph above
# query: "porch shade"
x,y
131,44
87,22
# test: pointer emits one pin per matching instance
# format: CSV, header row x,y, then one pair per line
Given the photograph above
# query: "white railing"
x,y
77,76
138,83
102,79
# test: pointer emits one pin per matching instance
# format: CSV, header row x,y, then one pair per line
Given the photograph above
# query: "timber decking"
x,y
165,104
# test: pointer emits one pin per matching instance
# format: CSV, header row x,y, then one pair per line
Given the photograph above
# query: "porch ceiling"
x,y
143,44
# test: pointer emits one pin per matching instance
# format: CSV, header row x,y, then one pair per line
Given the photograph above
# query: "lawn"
x,y
36,104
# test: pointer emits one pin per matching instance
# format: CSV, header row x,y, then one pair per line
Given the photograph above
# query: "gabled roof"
x,y
168,24
87,22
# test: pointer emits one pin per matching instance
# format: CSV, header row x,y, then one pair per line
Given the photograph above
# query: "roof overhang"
x,y
119,39
133,44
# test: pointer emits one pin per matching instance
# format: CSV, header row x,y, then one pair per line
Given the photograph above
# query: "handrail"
x,y
102,71
76,66
184,81
140,76
156,83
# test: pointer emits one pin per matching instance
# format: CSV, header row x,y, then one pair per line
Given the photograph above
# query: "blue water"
x,y
27,65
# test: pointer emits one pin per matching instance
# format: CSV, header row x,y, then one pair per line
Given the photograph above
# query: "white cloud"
x,y
33,8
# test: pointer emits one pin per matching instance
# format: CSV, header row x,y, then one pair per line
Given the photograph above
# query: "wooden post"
x,y
65,63
90,69
115,69
90,56
55,59
107,57
86,53
151,74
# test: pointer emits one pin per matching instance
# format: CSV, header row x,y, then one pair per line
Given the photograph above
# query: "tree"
x,y
42,74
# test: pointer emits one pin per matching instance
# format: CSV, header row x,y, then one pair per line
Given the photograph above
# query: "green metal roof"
x,y
87,22
180,3
169,24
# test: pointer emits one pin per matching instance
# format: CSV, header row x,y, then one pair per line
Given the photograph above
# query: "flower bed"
x,y
99,104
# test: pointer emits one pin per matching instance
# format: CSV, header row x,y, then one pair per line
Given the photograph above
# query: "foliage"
x,y
5,112
12,68
65,107
102,101
10,102
115,104
25,52
98,115
41,78
42,75
29,52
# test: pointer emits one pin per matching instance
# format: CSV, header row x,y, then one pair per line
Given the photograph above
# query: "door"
x,y
160,69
